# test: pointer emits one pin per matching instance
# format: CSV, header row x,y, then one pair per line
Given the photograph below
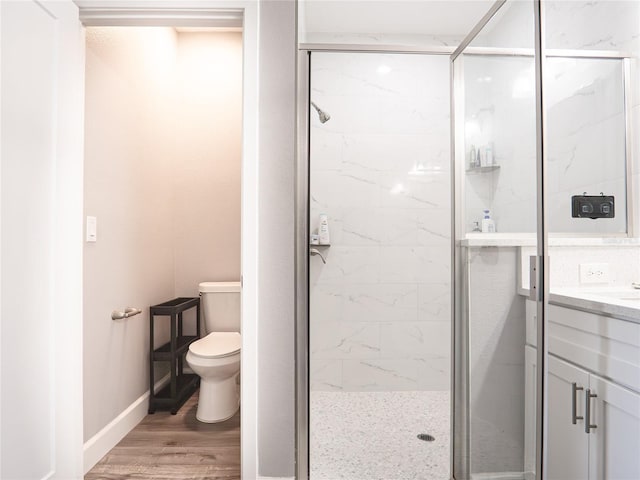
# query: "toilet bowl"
x,y
216,356
216,359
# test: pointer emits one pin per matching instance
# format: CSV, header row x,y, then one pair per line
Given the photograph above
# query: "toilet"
x,y
216,356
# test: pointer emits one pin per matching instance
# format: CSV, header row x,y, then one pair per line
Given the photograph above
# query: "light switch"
x,y
92,229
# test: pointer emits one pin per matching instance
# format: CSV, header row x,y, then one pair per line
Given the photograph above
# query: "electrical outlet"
x,y
594,273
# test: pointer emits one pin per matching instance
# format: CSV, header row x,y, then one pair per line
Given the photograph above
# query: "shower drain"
x,y
426,437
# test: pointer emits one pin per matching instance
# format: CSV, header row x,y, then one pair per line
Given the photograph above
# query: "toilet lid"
x,y
217,344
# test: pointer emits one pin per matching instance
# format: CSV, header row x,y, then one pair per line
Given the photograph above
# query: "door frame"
x,y
209,13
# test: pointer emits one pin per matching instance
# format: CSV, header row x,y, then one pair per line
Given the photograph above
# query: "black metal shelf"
x,y
182,345
186,385
177,305
181,386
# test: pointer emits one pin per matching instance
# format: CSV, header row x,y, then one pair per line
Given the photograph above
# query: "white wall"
x,y
163,146
129,80
379,312
206,164
276,294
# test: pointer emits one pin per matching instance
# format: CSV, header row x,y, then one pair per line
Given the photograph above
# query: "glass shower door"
x,y
379,284
547,348
496,247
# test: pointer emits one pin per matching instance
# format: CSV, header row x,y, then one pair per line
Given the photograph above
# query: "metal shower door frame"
x,y
302,179
459,458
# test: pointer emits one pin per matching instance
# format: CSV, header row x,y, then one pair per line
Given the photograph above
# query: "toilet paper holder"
x,y
128,312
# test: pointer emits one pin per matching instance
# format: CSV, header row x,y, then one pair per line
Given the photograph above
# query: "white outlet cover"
x,y
594,273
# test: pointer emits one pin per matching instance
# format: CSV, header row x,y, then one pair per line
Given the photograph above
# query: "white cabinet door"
x,y
567,443
614,444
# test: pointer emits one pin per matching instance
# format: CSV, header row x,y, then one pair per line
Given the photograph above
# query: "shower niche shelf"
x,y
181,385
488,168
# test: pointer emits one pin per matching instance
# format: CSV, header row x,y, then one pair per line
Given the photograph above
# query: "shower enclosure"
x,y
379,291
519,250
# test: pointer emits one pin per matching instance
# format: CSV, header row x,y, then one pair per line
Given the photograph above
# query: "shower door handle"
x,y
534,263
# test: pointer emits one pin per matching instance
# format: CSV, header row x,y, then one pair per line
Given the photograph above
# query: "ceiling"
x,y
428,17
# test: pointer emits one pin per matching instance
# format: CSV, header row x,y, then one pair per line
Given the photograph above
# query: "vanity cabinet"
x,y
595,356
593,426
614,446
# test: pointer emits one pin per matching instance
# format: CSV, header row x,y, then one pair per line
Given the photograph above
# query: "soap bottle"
x,y
488,226
323,230
472,157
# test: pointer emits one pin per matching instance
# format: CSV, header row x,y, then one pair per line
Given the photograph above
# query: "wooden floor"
x,y
165,446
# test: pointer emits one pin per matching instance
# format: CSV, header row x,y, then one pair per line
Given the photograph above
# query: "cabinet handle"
x,y
587,411
574,393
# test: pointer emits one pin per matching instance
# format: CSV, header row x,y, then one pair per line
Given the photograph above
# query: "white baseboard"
x,y
99,445
274,478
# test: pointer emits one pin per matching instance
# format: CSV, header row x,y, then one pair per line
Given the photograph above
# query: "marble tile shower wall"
x,y
580,25
380,313
586,140
604,25
500,111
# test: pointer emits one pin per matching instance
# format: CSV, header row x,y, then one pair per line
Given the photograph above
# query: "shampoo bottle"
x,y
488,226
323,230
489,155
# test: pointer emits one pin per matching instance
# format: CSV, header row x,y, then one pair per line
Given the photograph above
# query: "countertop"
x,y
615,302
529,240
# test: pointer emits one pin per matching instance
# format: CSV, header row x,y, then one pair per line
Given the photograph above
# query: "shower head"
x,y
322,115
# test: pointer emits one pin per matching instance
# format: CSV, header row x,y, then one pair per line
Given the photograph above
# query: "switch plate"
x,y
594,273
92,229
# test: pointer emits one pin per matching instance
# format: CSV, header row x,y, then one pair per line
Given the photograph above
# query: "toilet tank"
x,y
220,304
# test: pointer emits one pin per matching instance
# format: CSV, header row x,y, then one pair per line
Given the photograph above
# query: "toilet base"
x,y
218,400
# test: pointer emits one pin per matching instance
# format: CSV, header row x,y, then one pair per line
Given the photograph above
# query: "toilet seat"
x,y
217,345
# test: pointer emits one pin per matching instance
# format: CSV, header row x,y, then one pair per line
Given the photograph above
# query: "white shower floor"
x,y
373,435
